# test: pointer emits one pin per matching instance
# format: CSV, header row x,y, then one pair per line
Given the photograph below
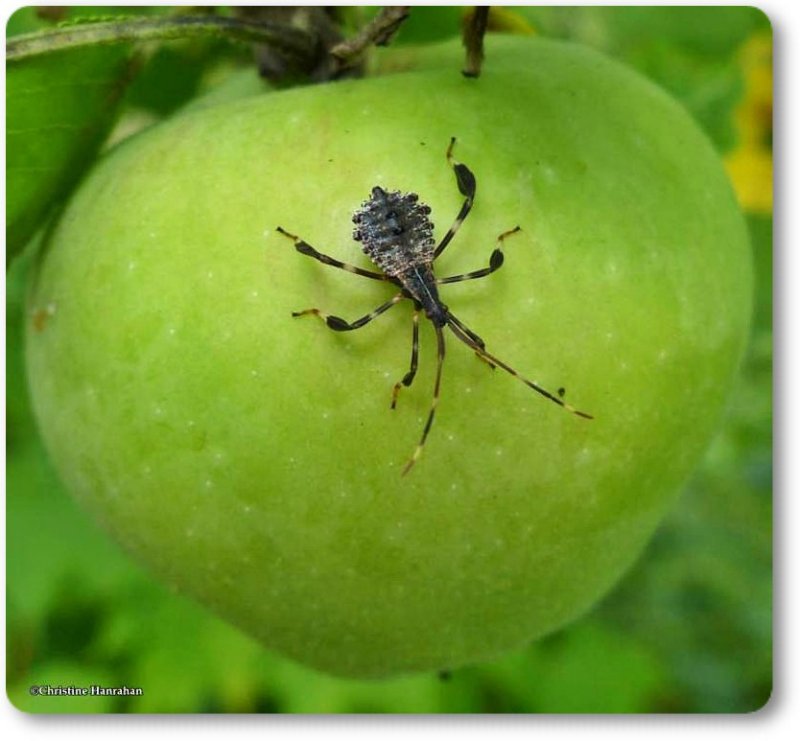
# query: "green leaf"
x,y
59,109
425,25
590,667
26,20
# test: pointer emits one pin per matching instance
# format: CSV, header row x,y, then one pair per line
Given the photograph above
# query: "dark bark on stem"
x,y
378,31
474,31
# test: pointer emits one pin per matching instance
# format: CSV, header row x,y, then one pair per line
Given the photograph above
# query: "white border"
x,y
781,714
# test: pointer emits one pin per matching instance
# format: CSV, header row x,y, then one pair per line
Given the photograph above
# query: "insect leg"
x,y
434,402
466,186
409,377
340,325
495,262
474,337
457,330
305,248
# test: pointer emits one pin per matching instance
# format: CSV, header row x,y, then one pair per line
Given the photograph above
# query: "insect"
x,y
396,233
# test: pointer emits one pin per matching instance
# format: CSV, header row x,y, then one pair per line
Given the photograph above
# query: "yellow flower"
x,y
749,165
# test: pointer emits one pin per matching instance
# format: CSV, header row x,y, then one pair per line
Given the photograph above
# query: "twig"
x,y
474,30
289,40
378,31
320,23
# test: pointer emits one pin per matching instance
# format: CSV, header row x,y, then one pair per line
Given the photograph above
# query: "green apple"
x,y
251,459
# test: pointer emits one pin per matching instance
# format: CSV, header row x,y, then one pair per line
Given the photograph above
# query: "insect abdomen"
x,y
395,231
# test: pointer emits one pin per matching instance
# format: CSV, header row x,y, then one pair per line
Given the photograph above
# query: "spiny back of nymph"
x,y
395,231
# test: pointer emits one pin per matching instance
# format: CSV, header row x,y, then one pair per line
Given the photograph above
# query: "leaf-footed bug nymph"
x,y
396,233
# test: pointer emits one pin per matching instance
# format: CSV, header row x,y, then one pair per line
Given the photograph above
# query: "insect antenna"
x,y
434,401
460,331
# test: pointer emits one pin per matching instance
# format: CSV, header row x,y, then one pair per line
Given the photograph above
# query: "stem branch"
x,y
291,41
378,31
474,31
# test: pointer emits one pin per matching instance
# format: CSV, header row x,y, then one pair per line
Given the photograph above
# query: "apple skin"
x,y
251,458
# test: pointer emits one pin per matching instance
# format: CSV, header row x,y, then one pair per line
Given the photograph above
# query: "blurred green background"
x,y
689,628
